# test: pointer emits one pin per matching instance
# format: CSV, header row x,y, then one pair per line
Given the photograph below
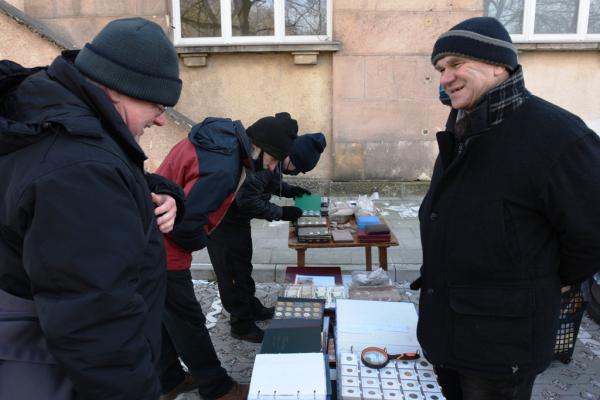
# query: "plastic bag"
x,y
379,277
364,206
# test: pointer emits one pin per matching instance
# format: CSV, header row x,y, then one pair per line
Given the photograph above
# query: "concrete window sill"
x,y
580,46
303,54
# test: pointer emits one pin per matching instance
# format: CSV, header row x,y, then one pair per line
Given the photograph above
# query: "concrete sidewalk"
x,y
578,380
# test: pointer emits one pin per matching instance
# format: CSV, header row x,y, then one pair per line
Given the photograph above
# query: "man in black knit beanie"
x,y
508,220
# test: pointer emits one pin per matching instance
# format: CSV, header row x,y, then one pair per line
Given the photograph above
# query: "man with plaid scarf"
x,y
509,218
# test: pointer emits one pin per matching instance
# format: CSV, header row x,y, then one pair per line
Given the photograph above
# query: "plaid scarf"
x,y
506,97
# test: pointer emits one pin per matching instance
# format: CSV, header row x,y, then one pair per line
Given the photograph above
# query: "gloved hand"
x,y
297,191
290,213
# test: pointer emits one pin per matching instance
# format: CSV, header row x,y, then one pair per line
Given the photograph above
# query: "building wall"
x,y
244,86
385,107
20,44
570,79
375,100
248,86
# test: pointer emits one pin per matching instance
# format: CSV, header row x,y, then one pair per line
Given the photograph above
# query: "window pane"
x,y
594,22
200,18
252,18
306,17
556,16
509,12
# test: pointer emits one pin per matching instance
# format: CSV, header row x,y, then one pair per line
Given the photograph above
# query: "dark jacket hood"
x,y
57,97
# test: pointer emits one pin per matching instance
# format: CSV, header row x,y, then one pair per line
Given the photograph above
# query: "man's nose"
x,y
446,77
272,165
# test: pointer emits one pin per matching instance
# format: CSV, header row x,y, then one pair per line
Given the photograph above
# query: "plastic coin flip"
x,y
376,357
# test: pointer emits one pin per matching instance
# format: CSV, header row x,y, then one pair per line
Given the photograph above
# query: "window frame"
x,y
529,36
227,38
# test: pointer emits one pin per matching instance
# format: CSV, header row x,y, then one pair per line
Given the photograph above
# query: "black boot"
x,y
264,313
247,331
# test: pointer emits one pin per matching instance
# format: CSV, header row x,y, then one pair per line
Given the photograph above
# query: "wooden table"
x,y
382,247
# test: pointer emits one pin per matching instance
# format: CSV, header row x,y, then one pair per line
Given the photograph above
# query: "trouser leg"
x,y
449,381
461,385
230,251
185,324
171,371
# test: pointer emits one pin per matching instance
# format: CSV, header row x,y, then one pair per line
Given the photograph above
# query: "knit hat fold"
x,y
481,38
135,57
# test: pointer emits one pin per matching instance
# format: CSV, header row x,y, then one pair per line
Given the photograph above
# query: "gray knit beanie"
x,y
135,57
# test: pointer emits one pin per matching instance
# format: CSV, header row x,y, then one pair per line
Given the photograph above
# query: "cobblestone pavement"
x,y
578,380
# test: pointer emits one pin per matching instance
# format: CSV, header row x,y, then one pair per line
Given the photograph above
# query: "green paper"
x,y
309,202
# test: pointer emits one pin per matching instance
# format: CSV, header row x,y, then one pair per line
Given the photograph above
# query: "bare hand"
x,y
165,211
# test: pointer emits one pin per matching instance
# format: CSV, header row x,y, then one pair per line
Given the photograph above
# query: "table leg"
x,y
383,257
368,258
301,257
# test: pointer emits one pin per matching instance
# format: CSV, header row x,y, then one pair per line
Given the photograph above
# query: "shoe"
x,y
264,313
248,332
239,391
186,385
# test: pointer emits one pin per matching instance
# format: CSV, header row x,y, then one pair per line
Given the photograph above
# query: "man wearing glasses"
x,y
82,265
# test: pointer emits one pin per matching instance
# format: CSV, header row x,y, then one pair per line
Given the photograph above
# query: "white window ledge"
x,y
303,54
581,46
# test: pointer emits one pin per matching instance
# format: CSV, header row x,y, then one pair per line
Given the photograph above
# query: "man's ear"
x,y
500,70
114,96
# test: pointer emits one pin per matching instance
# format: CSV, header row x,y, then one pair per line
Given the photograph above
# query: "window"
x,y
548,20
222,22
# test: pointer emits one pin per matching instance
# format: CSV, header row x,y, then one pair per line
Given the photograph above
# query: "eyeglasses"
x,y
160,107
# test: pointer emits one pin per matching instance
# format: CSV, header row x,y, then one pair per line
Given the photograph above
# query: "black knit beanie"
x,y
481,38
135,57
307,150
274,135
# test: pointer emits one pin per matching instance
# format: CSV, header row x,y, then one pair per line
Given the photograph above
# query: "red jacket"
x,y
209,166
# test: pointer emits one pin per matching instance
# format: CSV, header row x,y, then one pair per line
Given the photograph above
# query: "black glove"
x,y
290,213
297,191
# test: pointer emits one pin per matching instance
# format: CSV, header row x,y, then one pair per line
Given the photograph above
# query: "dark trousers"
x,y
459,385
185,336
230,251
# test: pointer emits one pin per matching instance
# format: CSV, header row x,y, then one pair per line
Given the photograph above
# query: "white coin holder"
x,y
348,359
410,385
349,370
410,395
424,364
388,373
407,374
392,395
431,387
368,372
369,383
390,384
426,376
351,393
405,364
372,393
350,381
434,396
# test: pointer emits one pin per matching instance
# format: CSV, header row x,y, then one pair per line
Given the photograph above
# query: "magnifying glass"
x,y
377,358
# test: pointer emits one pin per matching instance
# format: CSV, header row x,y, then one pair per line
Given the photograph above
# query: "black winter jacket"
x,y
78,234
254,197
510,216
